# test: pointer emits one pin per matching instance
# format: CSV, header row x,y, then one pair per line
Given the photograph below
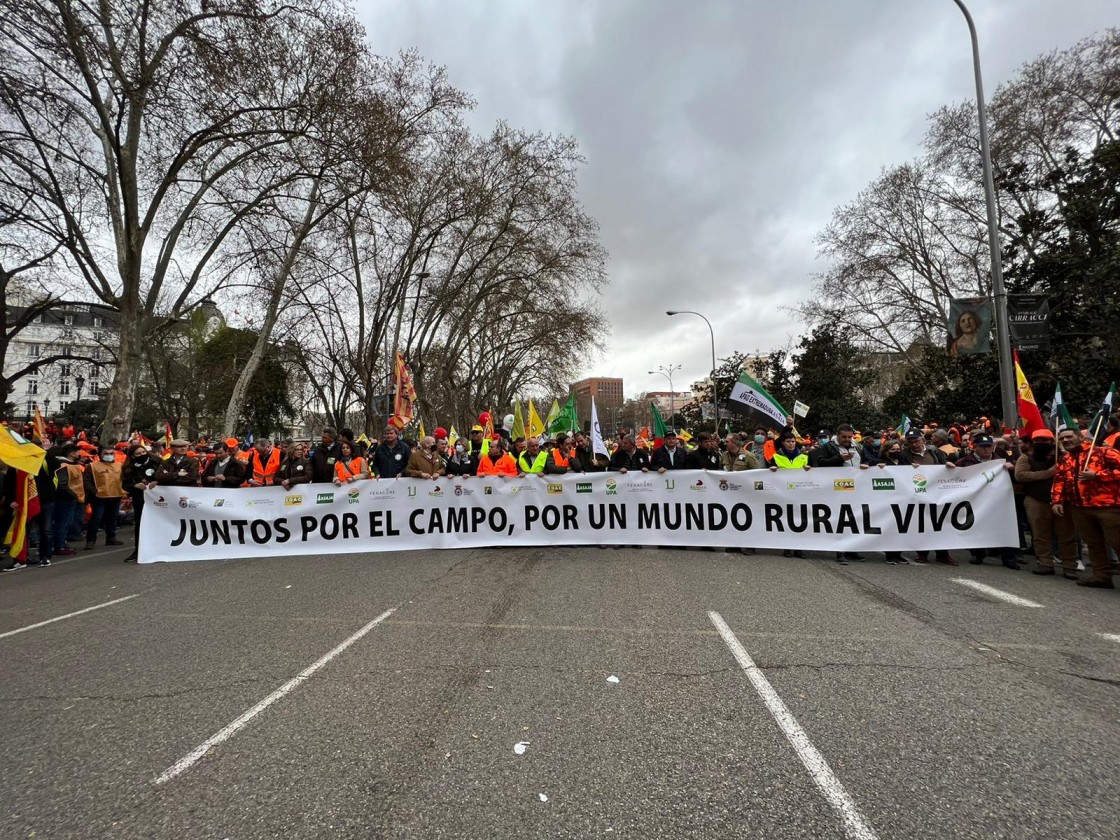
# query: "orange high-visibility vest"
x,y
267,473
345,472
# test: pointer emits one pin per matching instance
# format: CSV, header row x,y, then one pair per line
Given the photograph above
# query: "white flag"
x,y
597,445
800,409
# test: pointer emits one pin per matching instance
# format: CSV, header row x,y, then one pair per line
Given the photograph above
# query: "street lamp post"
x,y
999,291
667,372
80,381
715,386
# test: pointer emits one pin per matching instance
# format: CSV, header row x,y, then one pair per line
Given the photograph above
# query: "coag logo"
x,y
612,487
583,486
843,484
882,484
292,501
324,499
555,489
920,483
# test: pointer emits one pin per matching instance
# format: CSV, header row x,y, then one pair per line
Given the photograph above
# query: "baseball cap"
x,y
983,440
914,434
1043,434
476,428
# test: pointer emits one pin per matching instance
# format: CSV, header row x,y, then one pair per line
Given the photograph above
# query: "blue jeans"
x,y
106,510
63,516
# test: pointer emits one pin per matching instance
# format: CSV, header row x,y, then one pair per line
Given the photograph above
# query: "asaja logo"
x,y
583,486
843,484
882,484
758,485
324,499
920,483
555,489
292,501
612,487
698,485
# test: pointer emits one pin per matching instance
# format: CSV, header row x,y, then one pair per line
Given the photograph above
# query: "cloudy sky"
x,y
720,134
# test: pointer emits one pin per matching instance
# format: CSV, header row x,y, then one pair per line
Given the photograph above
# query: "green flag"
x,y
1098,428
659,427
553,413
1060,418
566,420
904,426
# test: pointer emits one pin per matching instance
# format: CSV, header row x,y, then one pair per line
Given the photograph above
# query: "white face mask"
x,y
108,459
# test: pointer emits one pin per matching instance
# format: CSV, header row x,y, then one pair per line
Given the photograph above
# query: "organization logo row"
x,y
917,483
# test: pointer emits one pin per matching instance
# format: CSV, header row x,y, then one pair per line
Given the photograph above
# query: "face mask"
x,y
760,438
824,440
459,448
108,459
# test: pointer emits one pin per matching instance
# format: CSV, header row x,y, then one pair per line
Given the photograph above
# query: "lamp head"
x,y
671,312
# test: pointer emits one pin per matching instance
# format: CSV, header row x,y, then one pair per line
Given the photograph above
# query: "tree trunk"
x,y
122,395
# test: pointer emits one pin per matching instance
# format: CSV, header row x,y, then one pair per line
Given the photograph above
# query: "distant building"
x,y
607,392
667,405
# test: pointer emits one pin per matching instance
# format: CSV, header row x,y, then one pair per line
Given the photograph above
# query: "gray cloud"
x,y
720,134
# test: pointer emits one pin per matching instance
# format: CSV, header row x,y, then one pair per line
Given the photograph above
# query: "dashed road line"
x,y
998,594
68,615
227,732
1111,637
855,826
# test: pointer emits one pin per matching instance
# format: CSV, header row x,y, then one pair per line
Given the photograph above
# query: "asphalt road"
x,y
938,711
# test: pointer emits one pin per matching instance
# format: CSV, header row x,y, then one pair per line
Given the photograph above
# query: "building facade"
x,y
607,392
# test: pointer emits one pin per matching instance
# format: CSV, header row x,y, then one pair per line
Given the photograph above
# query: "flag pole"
x,y
1092,445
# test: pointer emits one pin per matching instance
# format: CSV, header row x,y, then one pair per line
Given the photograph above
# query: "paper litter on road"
x,y
520,747
542,797
612,679
289,586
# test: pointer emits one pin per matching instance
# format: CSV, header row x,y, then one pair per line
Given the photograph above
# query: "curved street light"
x,y
667,372
715,387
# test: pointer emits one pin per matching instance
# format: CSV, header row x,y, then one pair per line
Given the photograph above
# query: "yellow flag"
x,y
452,436
423,434
19,453
536,425
518,429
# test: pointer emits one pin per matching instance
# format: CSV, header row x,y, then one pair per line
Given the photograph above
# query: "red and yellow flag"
x,y
40,426
1030,418
27,507
404,401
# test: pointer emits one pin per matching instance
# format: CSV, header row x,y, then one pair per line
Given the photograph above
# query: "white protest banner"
x,y
800,409
838,509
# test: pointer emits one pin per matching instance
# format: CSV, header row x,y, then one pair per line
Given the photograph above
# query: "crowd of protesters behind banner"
x,y
1067,487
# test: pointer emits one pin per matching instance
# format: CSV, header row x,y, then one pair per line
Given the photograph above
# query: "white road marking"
x,y
855,826
1112,637
68,615
227,732
998,594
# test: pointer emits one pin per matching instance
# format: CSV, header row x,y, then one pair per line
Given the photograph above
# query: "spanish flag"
x,y
1030,418
40,426
27,507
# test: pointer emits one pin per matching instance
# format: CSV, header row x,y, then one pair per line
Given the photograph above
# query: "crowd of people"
x,y
1067,488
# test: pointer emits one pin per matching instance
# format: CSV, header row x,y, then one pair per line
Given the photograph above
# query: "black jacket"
x,y
660,459
389,462
322,462
135,472
234,475
704,459
623,460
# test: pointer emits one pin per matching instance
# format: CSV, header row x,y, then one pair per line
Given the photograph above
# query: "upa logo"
x,y
843,484
583,486
353,496
292,501
612,487
555,489
882,484
324,499
920,483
